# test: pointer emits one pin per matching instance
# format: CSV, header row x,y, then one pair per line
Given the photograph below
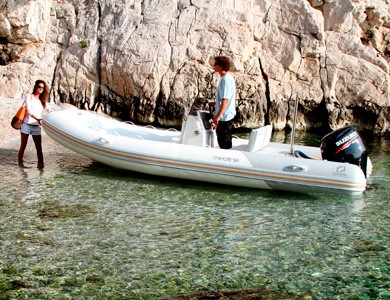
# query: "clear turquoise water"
x,y
81,230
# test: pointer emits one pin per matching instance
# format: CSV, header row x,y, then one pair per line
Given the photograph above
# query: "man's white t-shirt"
x,y
226,90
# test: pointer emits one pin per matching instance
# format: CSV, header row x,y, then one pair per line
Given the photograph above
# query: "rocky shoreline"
x,y
146,61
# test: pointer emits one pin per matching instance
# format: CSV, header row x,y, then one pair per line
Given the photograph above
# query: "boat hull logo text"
x,y
228,159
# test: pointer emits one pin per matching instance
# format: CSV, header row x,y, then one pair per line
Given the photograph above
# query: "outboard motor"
x,y
345,145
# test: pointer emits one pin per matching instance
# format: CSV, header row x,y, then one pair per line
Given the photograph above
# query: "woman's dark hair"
x,y
44,95
223,61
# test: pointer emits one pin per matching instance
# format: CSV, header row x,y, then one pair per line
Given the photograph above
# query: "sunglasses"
x,y
41,86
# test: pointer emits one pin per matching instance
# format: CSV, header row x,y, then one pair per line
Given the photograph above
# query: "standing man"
x,y
225,106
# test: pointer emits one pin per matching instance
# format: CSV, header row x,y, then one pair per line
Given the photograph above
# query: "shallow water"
x,y
81,230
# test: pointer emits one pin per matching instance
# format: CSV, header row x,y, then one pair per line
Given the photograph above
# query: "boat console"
x,y
197,129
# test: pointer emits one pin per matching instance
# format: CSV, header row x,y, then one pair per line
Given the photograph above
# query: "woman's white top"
x,y
34,107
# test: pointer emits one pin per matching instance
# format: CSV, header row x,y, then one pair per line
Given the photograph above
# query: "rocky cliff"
x,y
148,60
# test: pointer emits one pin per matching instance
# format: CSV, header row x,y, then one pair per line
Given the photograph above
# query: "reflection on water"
x,y
82,230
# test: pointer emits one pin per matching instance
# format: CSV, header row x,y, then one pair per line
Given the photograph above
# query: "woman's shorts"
x,y
31,129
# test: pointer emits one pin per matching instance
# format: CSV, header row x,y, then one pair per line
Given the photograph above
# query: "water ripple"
x,y
83,230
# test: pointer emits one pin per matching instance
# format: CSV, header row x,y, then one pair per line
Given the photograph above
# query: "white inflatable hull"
x,y
161,152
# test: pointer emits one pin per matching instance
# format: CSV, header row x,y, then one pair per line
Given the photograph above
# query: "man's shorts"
x,y
31,129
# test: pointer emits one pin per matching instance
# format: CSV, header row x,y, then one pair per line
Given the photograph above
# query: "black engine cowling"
x,y
345,145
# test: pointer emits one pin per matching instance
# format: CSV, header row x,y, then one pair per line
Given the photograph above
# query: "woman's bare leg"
x,y
38,146
23,144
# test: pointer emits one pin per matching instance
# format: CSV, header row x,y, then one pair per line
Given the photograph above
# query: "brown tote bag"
x,y
17,120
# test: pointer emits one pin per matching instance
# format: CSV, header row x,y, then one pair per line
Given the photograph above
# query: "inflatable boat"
x,y
338,166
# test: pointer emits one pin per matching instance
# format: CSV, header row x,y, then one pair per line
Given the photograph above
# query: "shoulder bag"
x,y
17,120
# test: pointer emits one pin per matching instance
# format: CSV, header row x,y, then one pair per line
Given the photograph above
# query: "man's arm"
x,y
222,108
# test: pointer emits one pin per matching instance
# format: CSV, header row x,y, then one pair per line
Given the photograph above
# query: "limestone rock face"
x,y
147,61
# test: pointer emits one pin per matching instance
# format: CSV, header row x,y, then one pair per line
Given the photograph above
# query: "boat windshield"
x,y
199,104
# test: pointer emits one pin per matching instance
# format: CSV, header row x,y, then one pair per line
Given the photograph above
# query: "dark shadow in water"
x,y
8,157
101,170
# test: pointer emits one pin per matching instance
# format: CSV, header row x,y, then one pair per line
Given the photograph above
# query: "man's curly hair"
x,y
223,61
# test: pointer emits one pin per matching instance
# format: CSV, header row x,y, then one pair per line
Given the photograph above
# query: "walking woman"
x,y
35,106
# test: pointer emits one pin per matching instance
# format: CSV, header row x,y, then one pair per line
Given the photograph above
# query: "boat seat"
x,y
259,138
